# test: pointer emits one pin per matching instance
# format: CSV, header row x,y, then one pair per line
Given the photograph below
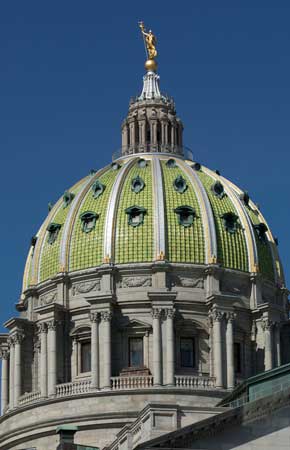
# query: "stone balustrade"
x,y
131,382
29,397
73,388
194,382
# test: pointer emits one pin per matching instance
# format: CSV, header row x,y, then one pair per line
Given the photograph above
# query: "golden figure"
x,y
150,41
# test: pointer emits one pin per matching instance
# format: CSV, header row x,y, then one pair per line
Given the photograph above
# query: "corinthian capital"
x,y
95,317
267,324
156,313
18,336
106,316
170,313
217,316
52,324
4,354
231,316
42,327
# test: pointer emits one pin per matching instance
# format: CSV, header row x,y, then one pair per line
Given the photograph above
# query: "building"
x,y
152,288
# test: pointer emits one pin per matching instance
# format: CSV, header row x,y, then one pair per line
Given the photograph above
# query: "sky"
x,y
69,68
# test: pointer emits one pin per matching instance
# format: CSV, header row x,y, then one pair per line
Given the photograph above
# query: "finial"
x,y
150,48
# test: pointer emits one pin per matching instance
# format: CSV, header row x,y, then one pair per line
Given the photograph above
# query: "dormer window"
x,y
88,220
186,215
245,198
142,163
218,189
230,222
115,166
137,184
196,166
97,188
53,230
171,163
67,198
179,184
261,230
135,215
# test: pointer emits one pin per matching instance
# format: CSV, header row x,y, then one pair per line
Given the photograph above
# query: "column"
x,y
4,380
170,360
11,373
52,361
156,314
94,318
278,345
268,356
230,351
217,317
106,317
43,358
17,358
210,355
146,349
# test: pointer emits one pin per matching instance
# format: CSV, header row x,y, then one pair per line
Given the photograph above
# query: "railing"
x,y
149,147
191,382
73,388
132,382
29,397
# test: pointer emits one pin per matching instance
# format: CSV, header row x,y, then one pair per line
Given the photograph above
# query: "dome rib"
x,y
110,221
207,214
159,211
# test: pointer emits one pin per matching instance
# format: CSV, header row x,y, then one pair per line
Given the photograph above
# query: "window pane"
x,y
86,357
136,352
187,354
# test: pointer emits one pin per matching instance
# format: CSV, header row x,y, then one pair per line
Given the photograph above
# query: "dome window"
x,y
67,198
171,163
88,220
137,185
53,230
196,166
230,222
261,230
179,184
245,198
115,166
135,215
218,189
142,163
186,215
97,188
33,241
217,172
92,172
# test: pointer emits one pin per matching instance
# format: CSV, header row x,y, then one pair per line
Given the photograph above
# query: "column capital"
x,y
267,324
52,324
170,313
18,337
217,316
42,327
156,313
231,316
4,354
106,316
95,317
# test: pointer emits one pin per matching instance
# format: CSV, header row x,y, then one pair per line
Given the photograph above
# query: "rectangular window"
x,y
237,357
85,357
187,352
136,352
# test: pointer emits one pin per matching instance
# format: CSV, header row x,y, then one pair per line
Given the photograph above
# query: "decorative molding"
x,y
46,299
186,281
136,281
86,286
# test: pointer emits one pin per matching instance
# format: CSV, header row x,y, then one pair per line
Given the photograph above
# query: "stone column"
x,y
217,317
210,355
52,357
11,373
156,314
43,358
230,351
146,349
170,353
94,318
17,373
4,380
268,357
106,317
278,346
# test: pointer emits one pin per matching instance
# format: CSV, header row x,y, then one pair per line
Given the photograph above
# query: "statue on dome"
x,y
150,41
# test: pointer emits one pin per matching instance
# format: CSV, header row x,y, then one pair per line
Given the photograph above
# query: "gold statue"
x,y
150,42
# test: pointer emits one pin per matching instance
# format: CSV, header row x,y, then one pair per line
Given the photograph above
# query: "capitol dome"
x,y
151,290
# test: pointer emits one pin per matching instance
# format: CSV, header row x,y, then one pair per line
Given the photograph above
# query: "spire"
x,y
151,124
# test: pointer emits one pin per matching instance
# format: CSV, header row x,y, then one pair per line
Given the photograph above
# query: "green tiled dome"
x,y
140,210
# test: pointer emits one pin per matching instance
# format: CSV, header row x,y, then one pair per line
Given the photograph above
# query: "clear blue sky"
x,y
68,69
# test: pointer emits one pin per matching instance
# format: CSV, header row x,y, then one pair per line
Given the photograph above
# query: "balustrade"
x,y
194,382
29,397
73,388
132,382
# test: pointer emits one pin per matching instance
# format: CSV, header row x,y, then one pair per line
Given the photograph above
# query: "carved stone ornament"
x,y
42,327
231,316
52,324
217,316
48,298
17,337
156,313
4,354
129,282
86,286
185,281
106,316
267,324
95,317
170,313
